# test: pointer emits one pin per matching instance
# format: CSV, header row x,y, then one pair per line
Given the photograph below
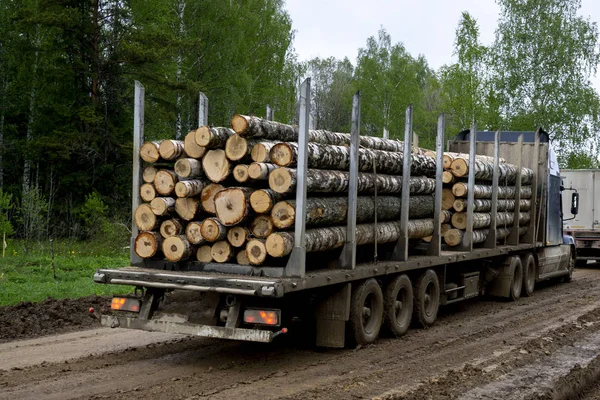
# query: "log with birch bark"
x,y
261,226
322,211
191,148
260,151
171,149
484,205
263,200
171,227
193,233
256,251
149,151
187,207
260,171
240,173
213,230
448,177
221,251
188,168
460,189
212,137
148,244
144,218
238,148
451,156
280,244
454,237
164,182
283,180
322,156
177,248
483,220
237,235
162,206
233,205
484,170
207,197
147,192
216,165
190,188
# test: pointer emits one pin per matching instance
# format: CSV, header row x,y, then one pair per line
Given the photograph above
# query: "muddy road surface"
x,y
543,347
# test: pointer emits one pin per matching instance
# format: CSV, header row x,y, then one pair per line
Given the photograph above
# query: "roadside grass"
x,y
28,276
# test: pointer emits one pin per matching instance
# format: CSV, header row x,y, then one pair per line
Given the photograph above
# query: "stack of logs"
x,y
228,194
455,192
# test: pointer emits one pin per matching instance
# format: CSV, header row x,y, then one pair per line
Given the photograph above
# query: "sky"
x,y
338,28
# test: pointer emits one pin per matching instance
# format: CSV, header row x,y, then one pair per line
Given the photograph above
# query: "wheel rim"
x,y
400,309
517,280
428,303
530,276
369,314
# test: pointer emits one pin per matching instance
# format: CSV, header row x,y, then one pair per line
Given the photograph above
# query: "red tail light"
x,y
262,317
125,304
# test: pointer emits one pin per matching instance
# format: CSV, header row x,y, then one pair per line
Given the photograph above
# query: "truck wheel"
x,y
517,281
529,268
581,263
569,277
398,305
366,312
426,298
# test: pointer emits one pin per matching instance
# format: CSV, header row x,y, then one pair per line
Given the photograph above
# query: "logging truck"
x,y
254,231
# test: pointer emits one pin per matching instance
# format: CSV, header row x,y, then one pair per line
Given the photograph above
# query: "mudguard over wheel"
x,y
426,298
529,274
366,312
398,305
517,280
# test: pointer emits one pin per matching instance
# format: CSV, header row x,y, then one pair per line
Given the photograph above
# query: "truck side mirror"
x,y
575,203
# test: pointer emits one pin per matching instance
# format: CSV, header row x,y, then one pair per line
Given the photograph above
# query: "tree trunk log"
x,y
211,137
208,197
484,170
164,182
149,174
171,227
187,207
188,168
144,218
334,210
148,244
238,148
216,165
221,251
445,216
162,206
147,192
193,233
191,148
256,251
240,173
190,188
233,205
260,171
263,200
241,258
460,189
260,151
149,151
484,205
454,236
483,220
447,177
450,156
204,254
260,128
322,156
237,236
261,226
171,149
280,244
213,230
177,248
447,199
283,180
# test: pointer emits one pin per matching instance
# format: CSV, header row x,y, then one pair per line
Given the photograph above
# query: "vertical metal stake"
x,y
138,139
435,246
514,237
348,256
532,233
401,250
491,240
296,265
467,244
202,110
269,113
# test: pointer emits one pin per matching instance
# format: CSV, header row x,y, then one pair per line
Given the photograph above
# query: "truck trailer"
x,y
350,299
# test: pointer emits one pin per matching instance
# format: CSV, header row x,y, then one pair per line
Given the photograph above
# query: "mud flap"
x,y
150,303
331,315
501,283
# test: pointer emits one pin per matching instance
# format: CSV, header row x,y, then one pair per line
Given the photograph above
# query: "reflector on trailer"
x,y
261,317
125,304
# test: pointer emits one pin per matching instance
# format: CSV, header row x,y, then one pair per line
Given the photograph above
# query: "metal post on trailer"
x,y
467,243
269,115
138,139
514,237
401,249
491,239
202,109
296,265
532,234
435,246
348,255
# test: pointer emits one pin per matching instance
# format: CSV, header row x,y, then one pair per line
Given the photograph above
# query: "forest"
x,y
67,72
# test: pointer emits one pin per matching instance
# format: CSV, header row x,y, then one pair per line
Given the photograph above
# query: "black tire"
x,y
366,312
581,263
569,277
517,281
529,274
398,305
426,298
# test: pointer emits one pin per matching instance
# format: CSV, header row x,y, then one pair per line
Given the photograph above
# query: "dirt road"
x,y
545,346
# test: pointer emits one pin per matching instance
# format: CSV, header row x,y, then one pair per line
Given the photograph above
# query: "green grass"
x,y
27,275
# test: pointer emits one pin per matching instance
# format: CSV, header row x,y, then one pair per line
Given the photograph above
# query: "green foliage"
x,y
5,207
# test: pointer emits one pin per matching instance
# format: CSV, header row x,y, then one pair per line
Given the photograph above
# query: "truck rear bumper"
x,y
249,335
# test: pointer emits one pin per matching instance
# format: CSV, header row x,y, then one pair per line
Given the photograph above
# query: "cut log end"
x,y
147,192
144,218
187,207
453,237
236,148
279,244
460,189
147,244
237,236
261,226
256,251
282,155
207,197
460,167
240,173
204,254
281,180
221,251
191,148
149,152
189,188
260,171
162,205
216,165
447,199
212,230
202,136
260,152
164,182
188,168
261,201
459,220
193,233
171,149
241,258
171,227
283,215
232,205
176,248
239,123
447,177
149,174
